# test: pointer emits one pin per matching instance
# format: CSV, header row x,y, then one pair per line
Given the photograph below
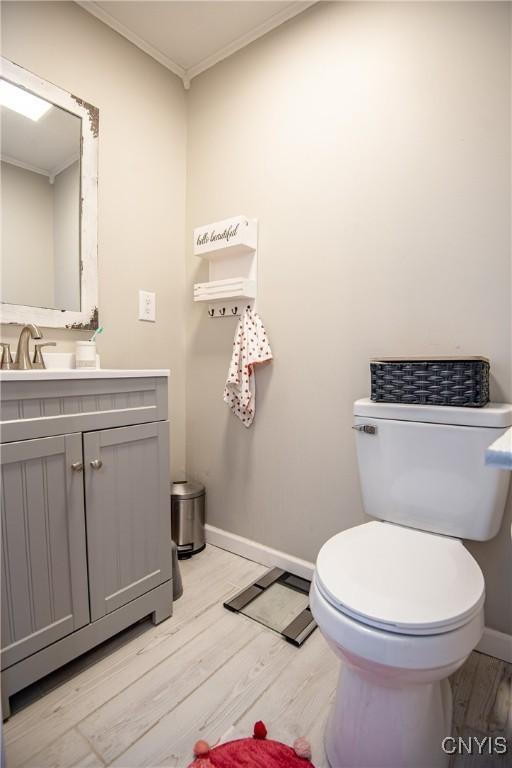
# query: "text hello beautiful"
x,y
213,236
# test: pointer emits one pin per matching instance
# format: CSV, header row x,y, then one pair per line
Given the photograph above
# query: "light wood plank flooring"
x,y
145,697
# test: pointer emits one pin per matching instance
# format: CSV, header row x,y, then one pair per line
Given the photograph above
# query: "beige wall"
x,y
27,237
372,142
141,182
66,237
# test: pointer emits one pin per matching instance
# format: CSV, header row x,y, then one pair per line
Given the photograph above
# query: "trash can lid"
x,y
186,489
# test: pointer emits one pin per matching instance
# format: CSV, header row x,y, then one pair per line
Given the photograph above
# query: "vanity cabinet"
x,y
85,517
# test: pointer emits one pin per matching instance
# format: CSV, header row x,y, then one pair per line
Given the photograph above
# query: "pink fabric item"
x,y
250,348
254,753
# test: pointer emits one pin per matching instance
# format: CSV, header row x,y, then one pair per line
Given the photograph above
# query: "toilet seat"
x,y
355,640
399,579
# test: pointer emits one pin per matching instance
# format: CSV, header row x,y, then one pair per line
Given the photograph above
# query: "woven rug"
x,y
255,752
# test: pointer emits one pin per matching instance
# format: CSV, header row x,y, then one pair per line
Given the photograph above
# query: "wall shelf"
x,y
226,239
230,247
227,251
242,289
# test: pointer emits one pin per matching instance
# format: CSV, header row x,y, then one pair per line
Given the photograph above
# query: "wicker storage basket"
x,y
460,381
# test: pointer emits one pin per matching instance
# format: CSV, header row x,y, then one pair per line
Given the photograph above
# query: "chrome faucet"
x,y
28,331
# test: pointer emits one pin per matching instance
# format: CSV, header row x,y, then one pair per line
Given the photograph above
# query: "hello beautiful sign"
x,y
237,231
213,236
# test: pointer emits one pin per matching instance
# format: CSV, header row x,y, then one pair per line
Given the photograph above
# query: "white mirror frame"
x,y
87,317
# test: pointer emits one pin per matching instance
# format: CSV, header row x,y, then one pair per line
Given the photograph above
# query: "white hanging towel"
x,y
250,348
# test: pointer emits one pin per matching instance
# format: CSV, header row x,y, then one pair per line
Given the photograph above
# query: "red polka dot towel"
x,y
250,348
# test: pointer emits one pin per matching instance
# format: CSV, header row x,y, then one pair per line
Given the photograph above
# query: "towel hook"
x,y
211,312
222,311
234,310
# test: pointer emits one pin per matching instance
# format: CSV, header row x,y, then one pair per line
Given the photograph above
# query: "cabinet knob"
x,y
96,463
77,466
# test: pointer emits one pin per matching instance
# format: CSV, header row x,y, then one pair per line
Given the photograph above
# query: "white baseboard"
x,y
497,644
260,553
493,643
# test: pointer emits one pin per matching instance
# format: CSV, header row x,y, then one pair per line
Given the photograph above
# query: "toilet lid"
x,y
400,579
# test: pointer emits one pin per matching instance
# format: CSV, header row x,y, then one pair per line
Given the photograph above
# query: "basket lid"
x,y
427,359
186,489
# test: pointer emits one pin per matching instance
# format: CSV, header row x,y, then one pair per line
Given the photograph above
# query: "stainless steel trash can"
x,y
187,517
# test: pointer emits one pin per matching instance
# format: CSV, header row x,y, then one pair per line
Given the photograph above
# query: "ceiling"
x,y
189,36
46,146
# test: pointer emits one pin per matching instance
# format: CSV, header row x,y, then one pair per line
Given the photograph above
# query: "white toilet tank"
x,y
424,466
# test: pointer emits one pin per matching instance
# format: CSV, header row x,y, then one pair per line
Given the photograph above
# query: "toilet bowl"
x,y
393,701
400,599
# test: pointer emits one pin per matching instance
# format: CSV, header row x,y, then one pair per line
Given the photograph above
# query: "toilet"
x,y
400,600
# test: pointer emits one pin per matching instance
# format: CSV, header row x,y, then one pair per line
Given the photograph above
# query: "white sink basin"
x,y
63,361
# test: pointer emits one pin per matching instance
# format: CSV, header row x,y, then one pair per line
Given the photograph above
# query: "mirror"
x,y
48,203
40,182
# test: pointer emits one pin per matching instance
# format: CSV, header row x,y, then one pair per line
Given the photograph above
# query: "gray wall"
x,y
141,201
372,142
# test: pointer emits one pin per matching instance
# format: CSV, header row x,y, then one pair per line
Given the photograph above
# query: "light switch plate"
x,y
147,306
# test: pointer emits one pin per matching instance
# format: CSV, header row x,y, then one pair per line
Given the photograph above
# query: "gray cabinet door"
x,y
44,564
127,509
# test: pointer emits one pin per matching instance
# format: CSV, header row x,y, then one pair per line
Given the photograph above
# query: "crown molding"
x,y
249,37
187,75
24,166
51,174
64,164
117,26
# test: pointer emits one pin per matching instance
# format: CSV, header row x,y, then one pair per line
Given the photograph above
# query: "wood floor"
x,y
145,697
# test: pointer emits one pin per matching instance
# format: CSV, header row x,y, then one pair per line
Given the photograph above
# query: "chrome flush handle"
x,y
369,429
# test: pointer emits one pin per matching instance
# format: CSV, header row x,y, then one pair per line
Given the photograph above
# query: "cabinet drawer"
x,y
31,409
44,567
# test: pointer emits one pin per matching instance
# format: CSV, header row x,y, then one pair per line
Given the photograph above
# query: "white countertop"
x,y
499,453
81,373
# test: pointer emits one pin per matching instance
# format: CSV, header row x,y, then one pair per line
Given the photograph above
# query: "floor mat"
x,y
258,752
278,600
